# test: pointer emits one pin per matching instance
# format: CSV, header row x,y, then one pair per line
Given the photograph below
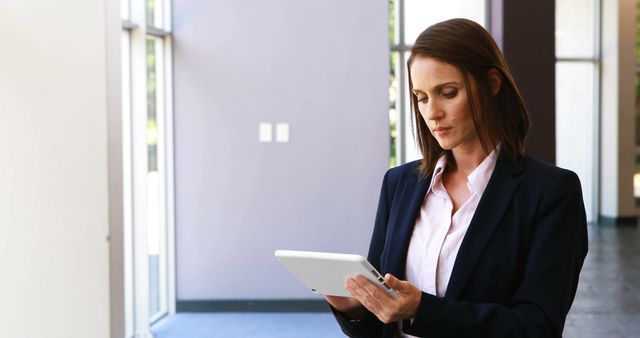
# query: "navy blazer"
x,y
517,269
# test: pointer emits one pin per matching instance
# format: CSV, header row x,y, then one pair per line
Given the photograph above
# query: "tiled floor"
x,y
249,325
607,303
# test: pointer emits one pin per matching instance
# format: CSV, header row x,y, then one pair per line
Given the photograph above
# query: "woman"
x,y
478,238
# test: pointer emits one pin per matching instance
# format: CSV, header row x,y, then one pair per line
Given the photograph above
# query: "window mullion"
x,y
139,167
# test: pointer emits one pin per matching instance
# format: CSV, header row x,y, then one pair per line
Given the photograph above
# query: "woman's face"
x,y
443,102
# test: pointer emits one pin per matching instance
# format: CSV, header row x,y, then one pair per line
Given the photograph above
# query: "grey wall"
x,y
322,67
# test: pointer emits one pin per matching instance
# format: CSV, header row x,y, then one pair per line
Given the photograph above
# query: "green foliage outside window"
x,y
393,121
151,13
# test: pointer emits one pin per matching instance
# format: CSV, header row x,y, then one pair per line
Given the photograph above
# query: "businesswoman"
x,y
478,238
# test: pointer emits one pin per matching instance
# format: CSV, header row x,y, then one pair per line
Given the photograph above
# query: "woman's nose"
x,y
434,111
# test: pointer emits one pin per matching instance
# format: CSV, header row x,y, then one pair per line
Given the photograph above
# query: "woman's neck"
x,y
467,160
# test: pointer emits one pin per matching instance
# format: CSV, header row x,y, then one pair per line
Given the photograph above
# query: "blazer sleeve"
x,y
556,251
370,326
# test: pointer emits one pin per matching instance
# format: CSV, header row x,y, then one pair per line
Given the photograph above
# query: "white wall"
x,y
53,170
575,128
321,66
617,139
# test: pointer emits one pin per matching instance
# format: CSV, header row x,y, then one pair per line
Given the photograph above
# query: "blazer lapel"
x,y
491,207
397,246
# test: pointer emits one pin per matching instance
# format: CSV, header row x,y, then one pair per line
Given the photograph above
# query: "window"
x,y
407,19
577,93
147,136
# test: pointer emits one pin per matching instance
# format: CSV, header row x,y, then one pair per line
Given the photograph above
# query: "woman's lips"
x,y
441,130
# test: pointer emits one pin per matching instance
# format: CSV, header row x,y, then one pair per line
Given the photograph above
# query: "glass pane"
x,y
393,22
411,150
420,14
575,127
155,13
124,9
151,9
153,181
393,108
575,28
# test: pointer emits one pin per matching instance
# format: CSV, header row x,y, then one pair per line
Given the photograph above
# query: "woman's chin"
x,y
445,145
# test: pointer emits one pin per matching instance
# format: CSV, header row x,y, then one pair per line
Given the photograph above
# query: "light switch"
x,y
265,132
282,132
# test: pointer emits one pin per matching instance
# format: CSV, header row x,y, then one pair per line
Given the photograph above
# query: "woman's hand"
x,y
387,308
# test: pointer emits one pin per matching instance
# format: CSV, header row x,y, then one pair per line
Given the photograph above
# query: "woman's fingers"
x,y
409,296
393,282
396,284
366,296
386,308
372,297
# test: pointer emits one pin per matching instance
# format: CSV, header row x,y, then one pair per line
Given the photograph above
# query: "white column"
x,y
54,182
617,139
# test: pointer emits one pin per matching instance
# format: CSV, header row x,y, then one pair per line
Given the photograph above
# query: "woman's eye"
x,y
450,94
423,99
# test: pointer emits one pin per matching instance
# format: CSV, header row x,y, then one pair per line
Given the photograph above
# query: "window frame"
x,y
135,32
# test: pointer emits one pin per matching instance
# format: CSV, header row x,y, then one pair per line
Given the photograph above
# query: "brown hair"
x,y
502,118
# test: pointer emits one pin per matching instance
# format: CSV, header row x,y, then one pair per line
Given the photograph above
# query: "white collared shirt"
x,y
437,235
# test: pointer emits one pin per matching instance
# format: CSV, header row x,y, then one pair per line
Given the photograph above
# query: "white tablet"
x,y
324,273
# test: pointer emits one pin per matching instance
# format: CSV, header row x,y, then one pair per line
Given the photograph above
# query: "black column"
x,y
525,30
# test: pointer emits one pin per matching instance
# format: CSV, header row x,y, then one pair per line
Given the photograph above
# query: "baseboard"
x,y
618,221
143,334
275,305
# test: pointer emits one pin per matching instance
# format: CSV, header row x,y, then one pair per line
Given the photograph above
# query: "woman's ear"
x,y
495,80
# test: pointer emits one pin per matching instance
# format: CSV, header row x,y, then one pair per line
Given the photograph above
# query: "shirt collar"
x,y
479,178
438,170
